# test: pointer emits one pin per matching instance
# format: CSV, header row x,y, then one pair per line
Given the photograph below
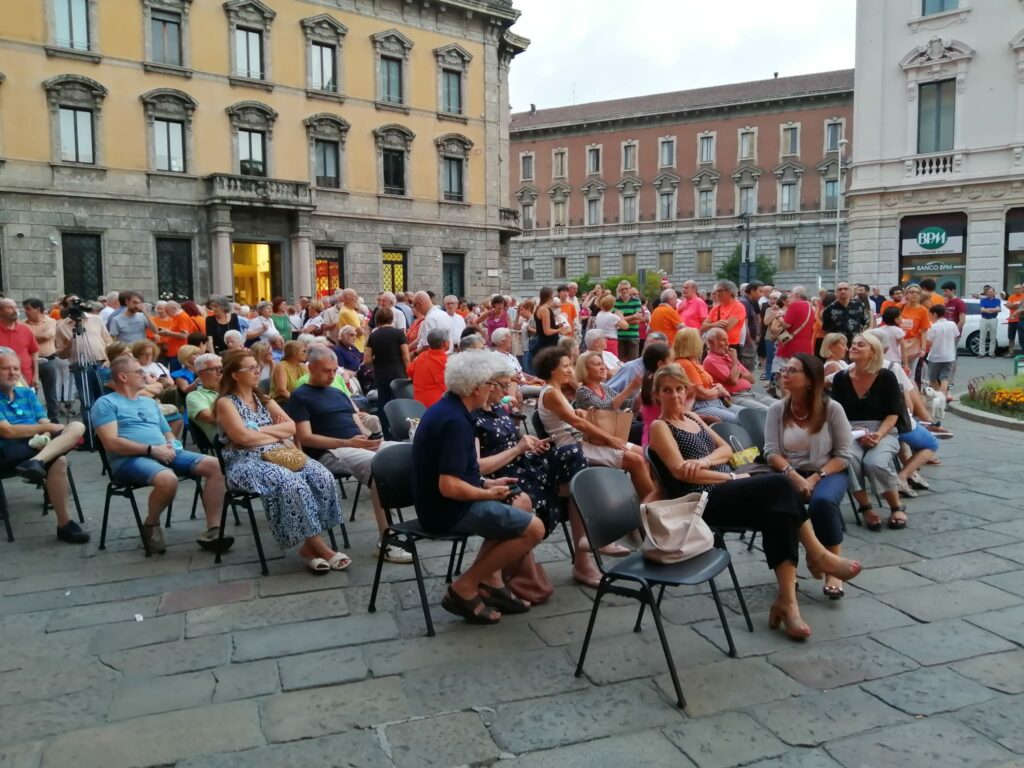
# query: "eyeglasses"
x,y
790,371
493,384
250,369
218,369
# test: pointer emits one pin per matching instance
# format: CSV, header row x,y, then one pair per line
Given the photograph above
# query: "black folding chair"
x,y
392,471
401,389
5,508
610,509
738,439
541,433
538,426
203,446
233,497
398,411
753,420
125,490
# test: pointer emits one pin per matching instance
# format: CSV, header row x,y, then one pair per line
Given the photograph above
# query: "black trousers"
x,y
765,503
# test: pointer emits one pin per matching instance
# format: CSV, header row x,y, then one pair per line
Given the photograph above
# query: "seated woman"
x,y
264,355
300,505
833,352
595,341
711,406
870,395
567,426
593,392
543,472
233,340
147,352
185,379
807,439
349,356
697,460
656,356
503,340
286,374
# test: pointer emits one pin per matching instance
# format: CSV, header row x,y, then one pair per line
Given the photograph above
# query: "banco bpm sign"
x,y
933,241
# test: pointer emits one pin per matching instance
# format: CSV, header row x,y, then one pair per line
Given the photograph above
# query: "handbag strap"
x,y
810,311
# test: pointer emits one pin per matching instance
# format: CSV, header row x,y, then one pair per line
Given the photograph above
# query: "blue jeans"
x,y
769,356
825,510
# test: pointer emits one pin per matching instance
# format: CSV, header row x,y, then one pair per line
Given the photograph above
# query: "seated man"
x,y
142,450
725,368
199,402
332,430
427,370
23,420
452,497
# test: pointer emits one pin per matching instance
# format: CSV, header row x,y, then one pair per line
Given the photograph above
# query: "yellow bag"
x,y
289,457
742,456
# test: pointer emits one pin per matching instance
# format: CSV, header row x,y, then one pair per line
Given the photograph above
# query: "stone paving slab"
x,y
288,609
331,667
355,749
969,565
942,641
936,741
929,691
1008,623
840,662
946,601
725,740
1000,671
460,738
171,658
135,699
1001,720
317,635
730,685
650,747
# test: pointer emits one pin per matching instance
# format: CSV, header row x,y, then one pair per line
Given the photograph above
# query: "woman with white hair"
x,y
349,356
261,327
233,340
870,395
595,341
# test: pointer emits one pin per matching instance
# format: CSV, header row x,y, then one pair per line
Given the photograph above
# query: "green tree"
x,y
583,282
730,269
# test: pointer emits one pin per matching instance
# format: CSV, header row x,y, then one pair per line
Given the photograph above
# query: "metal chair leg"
x,y
138,522
664,646
106,514
74,495
422,588
601,589
739,596
330,535
223,525
451,562
462,553
195,498
721,615
256,536
753,538
568,542
5,514
385,542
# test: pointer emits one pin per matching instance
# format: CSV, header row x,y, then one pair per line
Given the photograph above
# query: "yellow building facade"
x,y
254,147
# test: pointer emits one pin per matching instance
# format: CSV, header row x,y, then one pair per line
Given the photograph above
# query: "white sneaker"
x,y
905,489
919,482
394,554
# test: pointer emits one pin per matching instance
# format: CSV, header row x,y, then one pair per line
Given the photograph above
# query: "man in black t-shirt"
x,y
328,423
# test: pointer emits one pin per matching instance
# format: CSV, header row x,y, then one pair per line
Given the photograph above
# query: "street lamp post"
x,y
839,203
748,270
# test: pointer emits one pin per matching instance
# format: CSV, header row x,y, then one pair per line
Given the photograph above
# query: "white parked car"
x,y
970,337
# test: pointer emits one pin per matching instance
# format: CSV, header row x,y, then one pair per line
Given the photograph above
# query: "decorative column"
x,y
222,261
302,255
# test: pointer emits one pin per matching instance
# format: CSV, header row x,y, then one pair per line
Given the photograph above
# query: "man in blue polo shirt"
x,y
23,420
452,497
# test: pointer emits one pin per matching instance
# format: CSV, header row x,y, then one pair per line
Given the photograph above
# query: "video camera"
x,y
75,311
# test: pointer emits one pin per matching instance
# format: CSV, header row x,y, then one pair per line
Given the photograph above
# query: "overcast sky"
x,y
610,49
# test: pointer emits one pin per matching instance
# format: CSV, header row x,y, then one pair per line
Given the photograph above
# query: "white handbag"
x,y
675,529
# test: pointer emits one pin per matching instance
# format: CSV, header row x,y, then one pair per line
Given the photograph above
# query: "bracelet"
x,y
787,469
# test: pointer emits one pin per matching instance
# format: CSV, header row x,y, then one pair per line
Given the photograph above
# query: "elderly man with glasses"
x,y
142,451
199,402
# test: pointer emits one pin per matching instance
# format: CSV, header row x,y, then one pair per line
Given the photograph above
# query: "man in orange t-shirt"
x,y
915,320
728,314
895,300
1015,324
174,333
665,317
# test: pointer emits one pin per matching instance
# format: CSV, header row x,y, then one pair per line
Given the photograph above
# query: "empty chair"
x,y
401,389
398,412
753,420
735,435
393,476
610,509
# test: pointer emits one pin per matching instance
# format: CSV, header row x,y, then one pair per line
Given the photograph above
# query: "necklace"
x,y
793,413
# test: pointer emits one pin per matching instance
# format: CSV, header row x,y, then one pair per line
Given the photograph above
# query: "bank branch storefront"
x,y
934,246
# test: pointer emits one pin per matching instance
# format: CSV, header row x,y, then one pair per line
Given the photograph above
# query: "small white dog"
x,y
936,402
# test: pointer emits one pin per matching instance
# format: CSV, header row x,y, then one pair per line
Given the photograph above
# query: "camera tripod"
x,y
84,372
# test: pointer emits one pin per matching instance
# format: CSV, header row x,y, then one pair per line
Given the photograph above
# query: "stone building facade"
x,y
254,147
937,186
672,182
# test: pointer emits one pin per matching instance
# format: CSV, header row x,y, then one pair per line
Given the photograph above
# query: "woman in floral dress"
x,y
300,505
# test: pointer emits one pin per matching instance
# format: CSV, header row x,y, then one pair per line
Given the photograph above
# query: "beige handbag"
x,y
287,456
675,529
615,423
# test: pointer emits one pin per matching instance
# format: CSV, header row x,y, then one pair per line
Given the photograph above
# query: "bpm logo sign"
x,y
931,238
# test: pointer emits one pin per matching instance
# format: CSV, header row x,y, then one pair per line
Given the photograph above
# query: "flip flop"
x,y
473,611
318,565
833,592
340,561
503,599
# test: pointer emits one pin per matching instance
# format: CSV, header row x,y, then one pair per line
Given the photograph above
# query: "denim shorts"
x,y
493,520
919,439
940,371
140,470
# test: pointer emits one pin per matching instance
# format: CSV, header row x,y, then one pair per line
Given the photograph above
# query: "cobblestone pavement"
x,y
110,659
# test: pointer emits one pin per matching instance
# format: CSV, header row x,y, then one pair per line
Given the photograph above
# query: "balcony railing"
x,y
256,190
934,165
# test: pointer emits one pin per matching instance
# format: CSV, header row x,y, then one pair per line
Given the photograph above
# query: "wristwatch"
x,y
732,475
822,474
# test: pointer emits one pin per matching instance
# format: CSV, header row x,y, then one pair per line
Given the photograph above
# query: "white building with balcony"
x,y
937,176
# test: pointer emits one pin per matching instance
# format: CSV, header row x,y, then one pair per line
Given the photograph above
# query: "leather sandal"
x,y
473,611
503,599
895,523
875,525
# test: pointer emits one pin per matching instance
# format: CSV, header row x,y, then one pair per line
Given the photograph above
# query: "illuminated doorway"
x,y
257,271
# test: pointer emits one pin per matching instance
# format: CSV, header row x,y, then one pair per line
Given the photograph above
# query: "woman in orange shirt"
x,y
915,320
710,403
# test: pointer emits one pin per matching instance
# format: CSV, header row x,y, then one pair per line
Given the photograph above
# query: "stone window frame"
x,y
622,156
169,104
713,135
752,129
533,167
256,15
55,48
559,193
391,44
705,181
453,146
452,58
527,195
323,126
675,151
565,165
327,30
76,92
600,159
917,19
789,172
782,139
393,136
828,170
747,175
182,8
629,187
593,190
841,122
666,183
253,116
778,256
938,59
